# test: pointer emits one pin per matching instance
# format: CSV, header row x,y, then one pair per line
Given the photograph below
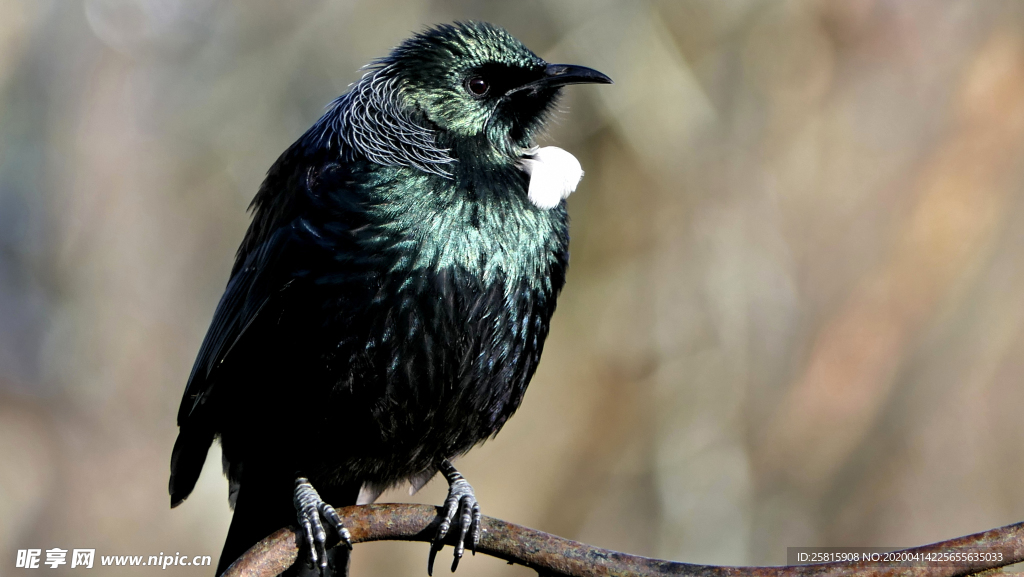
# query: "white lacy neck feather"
x,y
554,174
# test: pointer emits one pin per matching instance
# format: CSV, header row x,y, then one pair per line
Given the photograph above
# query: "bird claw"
x,y
462,501
310,508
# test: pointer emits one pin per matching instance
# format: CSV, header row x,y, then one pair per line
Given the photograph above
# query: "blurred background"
x,y
794,315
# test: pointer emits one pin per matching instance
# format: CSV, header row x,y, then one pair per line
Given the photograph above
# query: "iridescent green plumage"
x,y
486,228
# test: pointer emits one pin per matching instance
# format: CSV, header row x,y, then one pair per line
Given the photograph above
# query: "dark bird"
x,y
390,300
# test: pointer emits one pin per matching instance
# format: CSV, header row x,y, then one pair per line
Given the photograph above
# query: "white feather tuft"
x,y
554,174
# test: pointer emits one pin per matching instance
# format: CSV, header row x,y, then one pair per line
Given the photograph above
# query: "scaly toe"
x,y
309,508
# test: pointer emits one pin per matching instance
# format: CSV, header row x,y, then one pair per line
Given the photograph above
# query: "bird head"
x,y
481,88
449,100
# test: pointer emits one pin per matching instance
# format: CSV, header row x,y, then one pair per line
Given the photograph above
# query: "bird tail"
x,y
262,507
337,565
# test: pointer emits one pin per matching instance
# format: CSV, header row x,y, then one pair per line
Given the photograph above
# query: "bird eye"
x,y
477,86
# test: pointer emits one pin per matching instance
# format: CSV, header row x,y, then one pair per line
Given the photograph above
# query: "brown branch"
x,y
552,555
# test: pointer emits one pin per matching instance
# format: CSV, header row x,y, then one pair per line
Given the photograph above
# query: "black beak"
x,y
556,75
562,74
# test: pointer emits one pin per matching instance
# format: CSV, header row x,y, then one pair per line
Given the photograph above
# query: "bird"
x,y
389,302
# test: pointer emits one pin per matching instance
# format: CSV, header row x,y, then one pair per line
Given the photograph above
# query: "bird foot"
x,y
461,500
309,508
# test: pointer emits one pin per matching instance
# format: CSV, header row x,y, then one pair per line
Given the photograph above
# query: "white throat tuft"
x,y
554,174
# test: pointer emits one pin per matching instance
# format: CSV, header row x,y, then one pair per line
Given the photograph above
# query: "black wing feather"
x,y
248,293
277,248
253,294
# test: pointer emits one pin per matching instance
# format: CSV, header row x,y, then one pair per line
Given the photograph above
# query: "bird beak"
x,y
556,75
562,74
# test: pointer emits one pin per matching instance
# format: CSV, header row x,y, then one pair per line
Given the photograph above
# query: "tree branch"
x,y
552,555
